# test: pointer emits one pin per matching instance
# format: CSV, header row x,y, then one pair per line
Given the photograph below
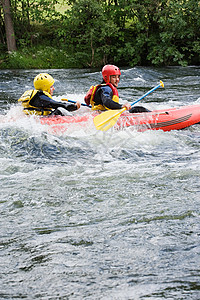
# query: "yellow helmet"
x,y
43,81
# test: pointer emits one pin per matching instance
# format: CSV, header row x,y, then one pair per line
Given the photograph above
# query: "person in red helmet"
x,y
105,95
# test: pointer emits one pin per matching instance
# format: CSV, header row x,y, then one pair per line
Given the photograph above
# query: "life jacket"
x,y
32,110
89,97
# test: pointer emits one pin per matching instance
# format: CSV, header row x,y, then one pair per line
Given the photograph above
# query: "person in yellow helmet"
x,y
39,101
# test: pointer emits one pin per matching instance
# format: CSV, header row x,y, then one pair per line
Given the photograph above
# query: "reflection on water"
x,y
92,215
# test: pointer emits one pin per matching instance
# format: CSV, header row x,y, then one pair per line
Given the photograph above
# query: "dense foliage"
x,y
90,33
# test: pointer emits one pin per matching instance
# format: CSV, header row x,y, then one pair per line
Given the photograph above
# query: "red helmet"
x,y
109,70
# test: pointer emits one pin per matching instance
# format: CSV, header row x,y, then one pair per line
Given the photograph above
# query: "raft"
x,y
165,119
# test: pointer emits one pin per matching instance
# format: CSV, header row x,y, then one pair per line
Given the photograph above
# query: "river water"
x,y
92,215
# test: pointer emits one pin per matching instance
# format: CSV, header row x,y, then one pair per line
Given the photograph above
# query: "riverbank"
x,y
40,58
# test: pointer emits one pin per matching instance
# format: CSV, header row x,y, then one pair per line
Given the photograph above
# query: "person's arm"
x,y
106,95
42,100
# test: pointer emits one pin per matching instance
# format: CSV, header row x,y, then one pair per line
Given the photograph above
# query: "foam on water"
x,y
93,215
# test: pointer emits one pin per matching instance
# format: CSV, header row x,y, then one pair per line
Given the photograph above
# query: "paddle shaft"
x,y
149,92
75,102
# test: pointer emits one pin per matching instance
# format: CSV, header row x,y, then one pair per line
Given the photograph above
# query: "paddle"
x,y
107,119
75,102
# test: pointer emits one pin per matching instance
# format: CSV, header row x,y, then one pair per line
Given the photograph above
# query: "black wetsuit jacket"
x,y
41,100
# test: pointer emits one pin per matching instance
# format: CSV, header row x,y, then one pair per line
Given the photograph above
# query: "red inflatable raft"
x,y
166,119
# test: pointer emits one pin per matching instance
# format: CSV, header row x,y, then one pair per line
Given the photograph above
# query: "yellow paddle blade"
x,y
107,119
108,124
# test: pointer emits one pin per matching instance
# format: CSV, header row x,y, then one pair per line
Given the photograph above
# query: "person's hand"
x,y
127,105
78,104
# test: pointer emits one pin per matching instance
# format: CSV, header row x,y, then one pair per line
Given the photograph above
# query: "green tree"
x,y
95,32
179,33
32,20
9,29
89,32
158,32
